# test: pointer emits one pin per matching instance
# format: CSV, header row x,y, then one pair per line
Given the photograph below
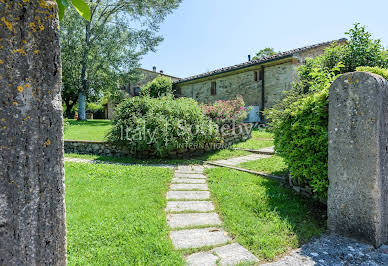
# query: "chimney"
x,y
249,57
154,68
161,71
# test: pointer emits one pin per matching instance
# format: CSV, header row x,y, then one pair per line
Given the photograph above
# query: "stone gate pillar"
x,y
358,161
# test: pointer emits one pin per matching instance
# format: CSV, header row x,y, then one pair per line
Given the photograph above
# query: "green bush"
x,y
161,125
375,70
94,107
160,86
300,121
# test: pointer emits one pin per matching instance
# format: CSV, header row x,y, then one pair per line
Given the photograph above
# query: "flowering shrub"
x,y
229,113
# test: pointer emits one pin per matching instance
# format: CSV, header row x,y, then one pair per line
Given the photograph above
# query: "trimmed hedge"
x,y
302,141
161,125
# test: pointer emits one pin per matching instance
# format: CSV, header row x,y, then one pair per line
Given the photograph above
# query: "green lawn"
x,y
260,139
262,215
115,215
274,165
87,130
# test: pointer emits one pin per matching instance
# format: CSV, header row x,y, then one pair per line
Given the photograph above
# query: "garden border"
x,y
104,148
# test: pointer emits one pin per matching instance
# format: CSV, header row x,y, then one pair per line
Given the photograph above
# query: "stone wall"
x,y
227,88
128,90
303,189
148,76
278,77
106,149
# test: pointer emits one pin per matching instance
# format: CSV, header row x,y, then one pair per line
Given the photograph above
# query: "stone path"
x,y
267,151
195,224
242,159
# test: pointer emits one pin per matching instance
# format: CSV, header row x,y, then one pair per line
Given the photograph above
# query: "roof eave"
x,y
235,69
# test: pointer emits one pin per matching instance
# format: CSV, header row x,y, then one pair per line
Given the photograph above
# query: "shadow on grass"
x,y
91,123
306,216
196,159
265,216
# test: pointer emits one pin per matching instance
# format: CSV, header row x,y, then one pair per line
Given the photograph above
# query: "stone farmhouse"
x,y
133,89
260,82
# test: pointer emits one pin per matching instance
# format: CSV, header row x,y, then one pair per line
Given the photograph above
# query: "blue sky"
x,y
203,35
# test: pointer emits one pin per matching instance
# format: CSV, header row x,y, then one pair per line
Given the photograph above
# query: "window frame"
x,y
213,88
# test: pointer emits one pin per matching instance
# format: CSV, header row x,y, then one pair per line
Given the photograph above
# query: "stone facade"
x,y
133,89
146,76
245,79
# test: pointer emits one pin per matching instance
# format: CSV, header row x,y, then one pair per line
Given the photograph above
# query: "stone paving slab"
x,y
196,238
268,149
188,181
243,159
188,172
198,206
179,175
189,187
193,195
181,220
202,259
190,168
234,254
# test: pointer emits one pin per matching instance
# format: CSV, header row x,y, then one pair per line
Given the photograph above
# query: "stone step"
x,y
190,169
189,187
189,172
188,181
196,238
190,195
199,206
232,254
180,175
181,220
202,259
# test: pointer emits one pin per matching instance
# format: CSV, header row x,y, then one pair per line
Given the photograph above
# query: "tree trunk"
x,y
68,110
81,106
32,210
69,105
84,75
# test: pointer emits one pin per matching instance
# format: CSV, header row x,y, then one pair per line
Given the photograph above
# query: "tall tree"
x,y
128,25
264,53
111,61
32,210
